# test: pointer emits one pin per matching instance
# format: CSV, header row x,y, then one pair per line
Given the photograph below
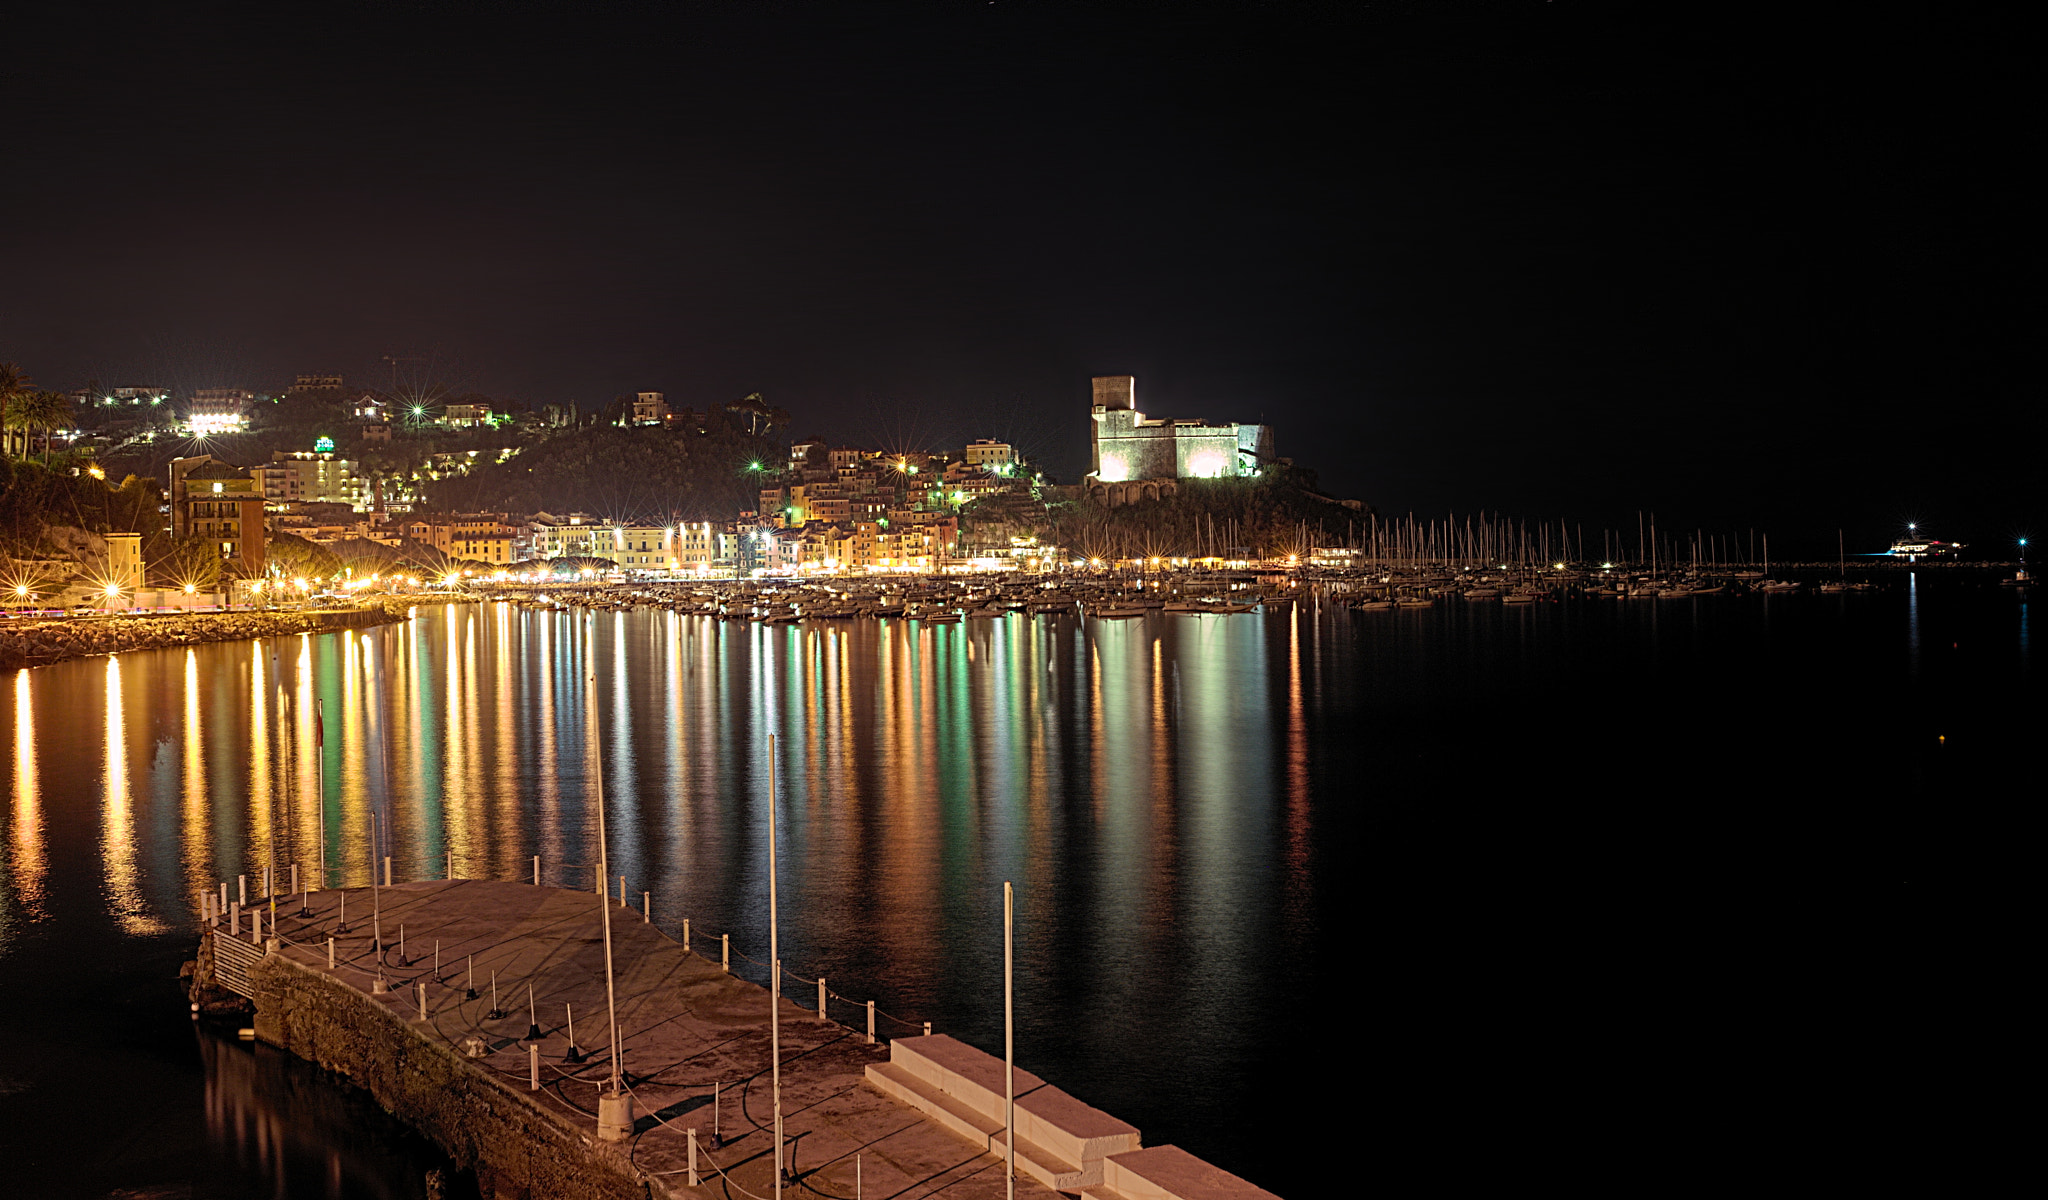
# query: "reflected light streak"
x,y
199,847
28,860
117,829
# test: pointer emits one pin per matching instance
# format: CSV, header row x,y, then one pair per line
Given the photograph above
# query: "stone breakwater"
x,y
40,643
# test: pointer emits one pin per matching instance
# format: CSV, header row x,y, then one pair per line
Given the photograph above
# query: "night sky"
x,y
1561,261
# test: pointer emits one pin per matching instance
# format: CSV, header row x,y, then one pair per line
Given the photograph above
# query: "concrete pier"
x,y
464,1079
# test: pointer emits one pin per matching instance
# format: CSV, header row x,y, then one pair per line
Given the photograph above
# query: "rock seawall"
x,y
484,1123
40,643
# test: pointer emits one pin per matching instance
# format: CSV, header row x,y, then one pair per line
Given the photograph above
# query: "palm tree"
x,y
47,411
13,382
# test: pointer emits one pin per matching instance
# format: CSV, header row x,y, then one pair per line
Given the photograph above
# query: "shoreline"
x,y
42,643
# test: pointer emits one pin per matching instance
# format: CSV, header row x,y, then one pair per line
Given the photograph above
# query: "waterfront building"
x,y
1126,446
574,536
222,505
641,547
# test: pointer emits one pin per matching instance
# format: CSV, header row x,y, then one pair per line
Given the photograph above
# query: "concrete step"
x,y
1169,1173
1047,1117
1049,1168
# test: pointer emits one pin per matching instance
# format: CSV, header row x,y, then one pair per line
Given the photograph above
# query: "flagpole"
x,y
1009,1050
617,1106
774,972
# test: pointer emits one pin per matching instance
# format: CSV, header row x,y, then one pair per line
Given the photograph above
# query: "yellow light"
x,y
256,586
113,589
190,588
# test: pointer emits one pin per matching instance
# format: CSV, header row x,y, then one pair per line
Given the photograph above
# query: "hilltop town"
x,y
234,491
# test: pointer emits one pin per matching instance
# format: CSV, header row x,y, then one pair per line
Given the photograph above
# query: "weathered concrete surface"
x,y
37,643
685,1025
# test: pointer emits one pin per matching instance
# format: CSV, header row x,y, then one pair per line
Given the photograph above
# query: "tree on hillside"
x,y
40,410
13,382
756,411
300,559
188,562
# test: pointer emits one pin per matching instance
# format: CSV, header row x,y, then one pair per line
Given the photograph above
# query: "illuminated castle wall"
x,y
1129,447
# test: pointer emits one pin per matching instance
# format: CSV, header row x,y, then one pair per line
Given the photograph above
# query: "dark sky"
x,y
1563,261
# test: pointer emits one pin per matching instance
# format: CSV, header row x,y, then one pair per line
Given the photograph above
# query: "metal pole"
x,y
647,908
611,1002
725,952
320,783
693,1159
423,1000
536,870
451,864
376,898
821,999
871,1022
775,972
686,935
1009,1052
533,1066
330,954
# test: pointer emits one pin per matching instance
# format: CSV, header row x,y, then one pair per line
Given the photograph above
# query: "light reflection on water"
x,y
289,1136
1183,801
920,767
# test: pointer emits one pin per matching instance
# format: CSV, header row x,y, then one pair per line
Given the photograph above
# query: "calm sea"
x,y
1319,895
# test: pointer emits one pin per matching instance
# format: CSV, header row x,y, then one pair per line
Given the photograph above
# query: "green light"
x,y
323,445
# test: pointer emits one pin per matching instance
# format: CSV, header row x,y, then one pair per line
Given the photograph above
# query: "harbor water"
x,y
1317,894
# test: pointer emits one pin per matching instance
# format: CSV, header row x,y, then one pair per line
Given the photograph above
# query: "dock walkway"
x,y
689,1030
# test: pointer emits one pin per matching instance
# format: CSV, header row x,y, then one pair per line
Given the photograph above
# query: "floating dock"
x,y
499,1085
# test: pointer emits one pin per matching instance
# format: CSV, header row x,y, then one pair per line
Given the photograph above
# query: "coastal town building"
x,y
321,386
989,453
218,410
221,505
310,477
649,408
